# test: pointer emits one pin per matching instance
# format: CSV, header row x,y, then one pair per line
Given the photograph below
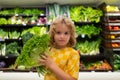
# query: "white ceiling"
x,y
32,3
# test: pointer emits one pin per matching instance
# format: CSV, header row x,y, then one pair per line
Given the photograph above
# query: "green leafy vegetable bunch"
x,y
32,51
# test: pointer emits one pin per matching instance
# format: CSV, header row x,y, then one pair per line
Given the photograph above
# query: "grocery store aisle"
x,y
82,76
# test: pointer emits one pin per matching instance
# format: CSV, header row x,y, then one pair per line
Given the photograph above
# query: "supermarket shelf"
x,y
111,48
108,40
112,24
95,70
114,49
24,15
8,56
112,32
17,70
112,14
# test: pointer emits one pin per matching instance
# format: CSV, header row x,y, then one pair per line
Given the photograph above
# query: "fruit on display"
x,y
112,36
115,28
112,44
115,45
110,8
96,65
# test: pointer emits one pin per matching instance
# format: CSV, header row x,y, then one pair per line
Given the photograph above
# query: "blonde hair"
x,y
69,23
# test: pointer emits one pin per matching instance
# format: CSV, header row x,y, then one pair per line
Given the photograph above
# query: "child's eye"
x,y
66,33
58,32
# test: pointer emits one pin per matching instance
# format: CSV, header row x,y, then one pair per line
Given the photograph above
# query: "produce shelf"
x,y
111,48
111,32
16,70
111,28
112,13
111,41
20,25
112,24
95,70
7,61
97,65
97,56
110,37
8,56
24,15
111,44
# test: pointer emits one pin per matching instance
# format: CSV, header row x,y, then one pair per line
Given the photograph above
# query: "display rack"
x,y
111,31
17,20
111,34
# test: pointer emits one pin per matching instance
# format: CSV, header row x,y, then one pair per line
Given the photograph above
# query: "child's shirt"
x,y
67,59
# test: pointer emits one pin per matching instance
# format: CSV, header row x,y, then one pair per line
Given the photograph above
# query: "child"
x,y
63,62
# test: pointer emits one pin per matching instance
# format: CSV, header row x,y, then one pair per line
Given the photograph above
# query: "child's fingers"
x,y
42,62
46,54
43,57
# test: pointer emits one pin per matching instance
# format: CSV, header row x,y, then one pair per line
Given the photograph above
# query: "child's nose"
x,y
62,35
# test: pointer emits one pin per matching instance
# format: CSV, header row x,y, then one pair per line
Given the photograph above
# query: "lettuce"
x,y
31,52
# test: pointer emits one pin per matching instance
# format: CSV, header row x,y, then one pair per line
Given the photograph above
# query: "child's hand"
x,y
46,61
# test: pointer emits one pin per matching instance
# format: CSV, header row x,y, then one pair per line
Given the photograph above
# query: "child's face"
x,y
62,35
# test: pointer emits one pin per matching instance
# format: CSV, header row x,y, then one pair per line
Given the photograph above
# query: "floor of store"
x,y
82,76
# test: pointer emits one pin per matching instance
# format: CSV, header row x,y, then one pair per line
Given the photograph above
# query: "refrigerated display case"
x,y
111,36
10,74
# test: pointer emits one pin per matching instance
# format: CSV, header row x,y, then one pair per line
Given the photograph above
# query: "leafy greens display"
x,y
88,30
89,47
85,14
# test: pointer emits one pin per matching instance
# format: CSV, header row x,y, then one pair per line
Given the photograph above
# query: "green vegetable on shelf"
x,y
37,11
14,35
13,48
27,12
116,61
4,12
85,14
89,47
88,30
3,34
3,21
26,37
2,49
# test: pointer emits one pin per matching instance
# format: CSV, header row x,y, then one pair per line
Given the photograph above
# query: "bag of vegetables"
x,y
32,51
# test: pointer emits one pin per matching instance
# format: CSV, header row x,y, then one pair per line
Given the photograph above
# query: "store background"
x,y
37,3
5,3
